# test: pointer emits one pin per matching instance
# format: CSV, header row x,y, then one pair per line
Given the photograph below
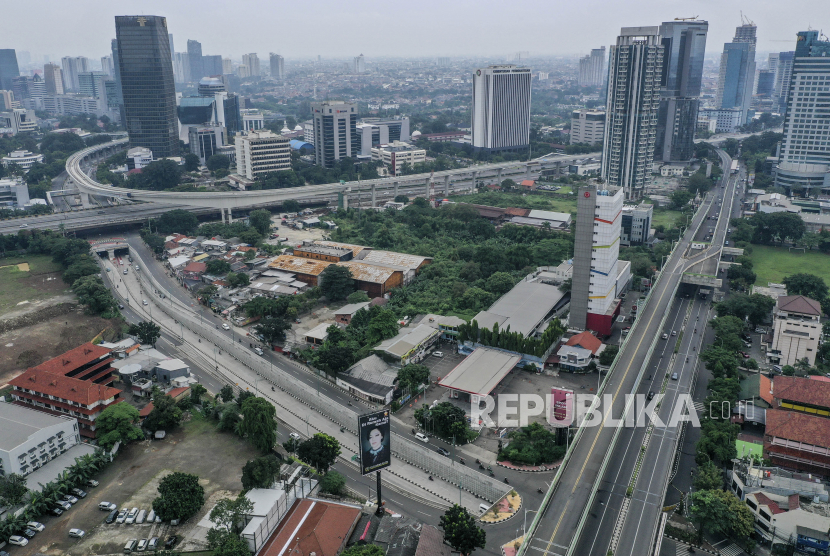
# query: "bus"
x,y
734,167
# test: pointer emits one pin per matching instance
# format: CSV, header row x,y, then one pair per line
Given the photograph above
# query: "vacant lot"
x,y
538,202
773,264
131,481
665,217
28,281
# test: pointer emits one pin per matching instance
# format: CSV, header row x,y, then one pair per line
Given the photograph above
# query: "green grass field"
x,y
20,285
772,264
747,448
504,200
665,217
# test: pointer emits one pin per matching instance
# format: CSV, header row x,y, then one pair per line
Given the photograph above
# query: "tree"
x,y
83,265
92,293
12,489
363,550
196,393
260,472
251,237
402,199
608,354
147,332
500,283
333,483
259,423
719,511
320,451
756,307
273,329
244,395
261,221
118,423
359,296
336,282
291,445
238,279
228,513
180,496
412,376
446,420
217,267
217,162
225,543
709,477
157,176
290,205
461,531
165,414
808,285
226,393
191,162
532,445
384,325
680,198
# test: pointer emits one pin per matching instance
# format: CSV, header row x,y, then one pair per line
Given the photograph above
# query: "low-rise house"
x,y
370,379
317,335
448,326
194,271
409,345
374,279
306,270
344,314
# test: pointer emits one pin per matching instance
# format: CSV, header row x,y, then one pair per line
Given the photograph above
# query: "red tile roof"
x,y
764,500
73,389
765,387
528,183
145,411
802,390
585,340
195,267
74,358
312,526
176,392
819,378
799,427
799,304
513,211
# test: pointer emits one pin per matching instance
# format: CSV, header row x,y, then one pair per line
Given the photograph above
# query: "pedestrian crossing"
x,y
732,550
681,549
698,406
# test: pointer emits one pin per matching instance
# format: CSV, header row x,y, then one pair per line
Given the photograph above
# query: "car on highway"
x,y
108,270
443,452
225,326
438,354
258,351
120,306
665,336
650,395
674,376
294,435
125,271
144,302
77,533
726,242
422,437
674,332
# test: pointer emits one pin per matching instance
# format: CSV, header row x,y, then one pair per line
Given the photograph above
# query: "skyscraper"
x,y
804,162
684,46
8,68
119,97
106,65
227,66
53,76
181,67
89,83
359,64
632,106
252,61
277,67
335,131
783,74
592,68
736,79
72,66
501,108
194,57
212,65
147,87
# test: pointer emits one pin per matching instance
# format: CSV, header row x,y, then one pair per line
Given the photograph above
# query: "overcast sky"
x,y
342,29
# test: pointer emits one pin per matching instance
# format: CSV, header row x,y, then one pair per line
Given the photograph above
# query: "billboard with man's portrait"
x,y
373,430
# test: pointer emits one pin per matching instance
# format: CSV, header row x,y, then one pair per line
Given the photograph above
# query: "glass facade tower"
x,y
8,68
147,88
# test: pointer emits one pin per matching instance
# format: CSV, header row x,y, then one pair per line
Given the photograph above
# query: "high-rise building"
x,y
72,67
89,83
261,152
372,132
765,83
18,120
501,108
227,66
335,131
7,101
359,64
212,65
277,67
119,96
147,86
170,40
209,86
632,106
8,68
205,140
53,76
592,68
736,79
684,46
804,160
252,61
181,67
194,56
106,65
783,75
594,302
587,126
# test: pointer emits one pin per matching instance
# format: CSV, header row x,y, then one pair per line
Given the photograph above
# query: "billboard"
x,y
373,431
561,407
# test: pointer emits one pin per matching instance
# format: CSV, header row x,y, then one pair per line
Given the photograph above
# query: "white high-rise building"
x,y
592,68
72,67
227,66
107,66
277,67
587,126
335,131
261,152
501,108
359,64
181,67
632,107
53,77
252,61
243,71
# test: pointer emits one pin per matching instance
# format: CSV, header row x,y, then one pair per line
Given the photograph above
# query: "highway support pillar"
x,y
85,199
446,186
374,195
473,182
396,189
527,171
499,179
427,185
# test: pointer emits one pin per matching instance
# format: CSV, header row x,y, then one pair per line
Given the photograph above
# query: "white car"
x,y
438,354
258,351
131,516
144,302
422,437
35,526
295,436
142,545
77,533
18,540
225,326
665,336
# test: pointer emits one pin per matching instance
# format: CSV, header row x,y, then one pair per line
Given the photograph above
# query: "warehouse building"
x,y
478,375
305,270
375,280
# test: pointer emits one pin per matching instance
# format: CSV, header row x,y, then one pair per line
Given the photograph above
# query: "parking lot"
x,y
132,480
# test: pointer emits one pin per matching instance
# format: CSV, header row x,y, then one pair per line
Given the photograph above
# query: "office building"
x,y
252,61
194,57
205,140
22,158
765,83
89,83
29,88
181,67
138,158
596,251
252,120
76,384
18,120
261,152
147,87
53,77
684,46
106,65
72,67
277,67
636,222
632,108
783,76
397,154
727,120
7,101
119,95
587,126
72,105
736,79
359,64
212,65
32,438
501,108
796,330
243,71
227,66
372,132
335,131
13,191
804,162
592,69
8,68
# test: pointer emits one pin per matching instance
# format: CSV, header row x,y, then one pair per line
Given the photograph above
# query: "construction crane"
x,y
686,18
745,20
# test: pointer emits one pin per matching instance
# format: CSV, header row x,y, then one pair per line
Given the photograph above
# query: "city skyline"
x,y
528,26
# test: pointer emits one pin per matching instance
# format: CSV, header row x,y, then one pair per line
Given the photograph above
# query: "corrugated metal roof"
x,y
397,259
523,308
373,273
354,248
299,265
406,340
481,371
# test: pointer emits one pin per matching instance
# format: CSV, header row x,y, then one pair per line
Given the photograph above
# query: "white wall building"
x,y
252,120
14,192
32,438
727,120
18,120
606,250
261,152
396,154
501,108
139,157
587,126
797,330
252,61
22,158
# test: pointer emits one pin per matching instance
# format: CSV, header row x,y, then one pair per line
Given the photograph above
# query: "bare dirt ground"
x,y
132,480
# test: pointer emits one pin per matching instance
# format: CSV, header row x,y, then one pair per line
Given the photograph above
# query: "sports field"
x,y
772,264
747,448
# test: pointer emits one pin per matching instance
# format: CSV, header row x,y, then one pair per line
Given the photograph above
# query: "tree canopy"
x,y
336,282
461,531
180,496
320,451
259,423
118,423
147,332
260,472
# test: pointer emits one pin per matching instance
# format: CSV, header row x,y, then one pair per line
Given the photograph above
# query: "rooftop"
x,y
74,358
351,308
323,249
799,304
19,423
802,390
371,374
407,339
373,273
319,331
356,249
299,265
585,340
800,427
481,371
312,526
523,308
397,259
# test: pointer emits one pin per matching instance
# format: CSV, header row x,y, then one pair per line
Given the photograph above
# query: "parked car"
x,y
130,546
35,525
18,540
443,452
64,504
438,353
56,511
111,516
140,517
79,493
92,483
171,541
71,499
131,516
142,545
153,544
122,516
77,533
28,533
151,517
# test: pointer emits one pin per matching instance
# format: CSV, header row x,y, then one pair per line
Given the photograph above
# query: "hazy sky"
x,y
341,29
